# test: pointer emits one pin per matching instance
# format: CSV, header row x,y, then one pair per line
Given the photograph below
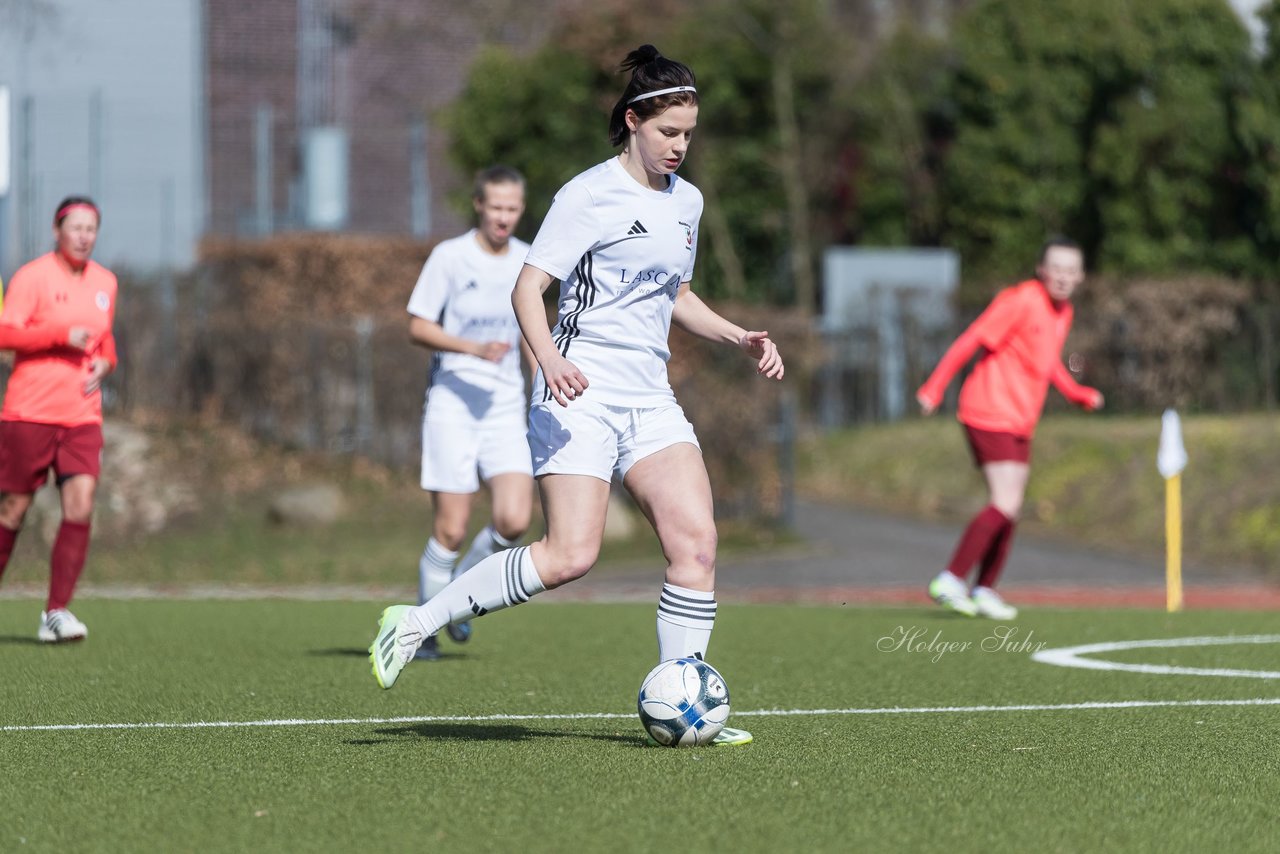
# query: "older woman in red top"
x,y
1020,336
57,320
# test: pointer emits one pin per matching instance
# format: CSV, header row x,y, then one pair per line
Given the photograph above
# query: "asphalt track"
x,y
853,556
847,556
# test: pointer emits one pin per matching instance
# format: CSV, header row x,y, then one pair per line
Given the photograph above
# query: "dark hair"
x,y
61,211
650,72
1057,241
495,175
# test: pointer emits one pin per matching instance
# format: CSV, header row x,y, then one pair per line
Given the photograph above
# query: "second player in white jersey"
x,y
475,417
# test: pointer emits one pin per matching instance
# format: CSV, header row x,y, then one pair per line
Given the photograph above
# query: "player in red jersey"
x,y
1020,336
57,320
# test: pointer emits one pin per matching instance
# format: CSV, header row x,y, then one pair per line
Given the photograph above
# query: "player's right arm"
x,y
428,300
990,330
1088,399
569,229
563,378
22,333
431,334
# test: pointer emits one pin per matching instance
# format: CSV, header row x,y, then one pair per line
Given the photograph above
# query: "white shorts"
x,y
456,455
598,440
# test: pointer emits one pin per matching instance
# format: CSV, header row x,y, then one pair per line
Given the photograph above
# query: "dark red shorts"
x,y
991,447
27,450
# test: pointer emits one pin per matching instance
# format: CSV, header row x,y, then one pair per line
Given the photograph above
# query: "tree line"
x,y
1148,131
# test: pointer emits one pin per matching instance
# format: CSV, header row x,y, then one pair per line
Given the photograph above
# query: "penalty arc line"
x,y
758,713
1071,656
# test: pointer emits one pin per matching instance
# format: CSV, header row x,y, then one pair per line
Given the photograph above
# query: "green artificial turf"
x,y
1165,779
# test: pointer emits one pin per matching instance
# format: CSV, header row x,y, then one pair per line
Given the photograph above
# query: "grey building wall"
x,y
107,99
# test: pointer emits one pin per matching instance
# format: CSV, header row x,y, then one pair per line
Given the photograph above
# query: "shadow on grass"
x,y
22,639
352,652
340,652
450,731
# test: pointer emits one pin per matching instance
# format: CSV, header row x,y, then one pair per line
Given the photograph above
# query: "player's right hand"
x,y
927,406
493,351
79,338
564,380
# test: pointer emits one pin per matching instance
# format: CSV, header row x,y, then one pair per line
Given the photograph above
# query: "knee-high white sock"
x,y
499,581
486,542
435,567
685,620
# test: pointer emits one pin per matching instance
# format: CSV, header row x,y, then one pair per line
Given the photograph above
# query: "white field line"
x,y
756,713
1071,656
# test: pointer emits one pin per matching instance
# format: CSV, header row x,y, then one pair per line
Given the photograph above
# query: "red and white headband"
x,y
66,209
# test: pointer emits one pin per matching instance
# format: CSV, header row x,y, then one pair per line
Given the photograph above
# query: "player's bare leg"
x,y
452,513
575,507
673,491
13,509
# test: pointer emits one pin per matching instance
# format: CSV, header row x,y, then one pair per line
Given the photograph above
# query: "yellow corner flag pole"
x,y
1171,459
1173,541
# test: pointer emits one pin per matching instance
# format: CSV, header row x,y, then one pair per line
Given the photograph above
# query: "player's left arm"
x,y
1089,399
694,316
103,358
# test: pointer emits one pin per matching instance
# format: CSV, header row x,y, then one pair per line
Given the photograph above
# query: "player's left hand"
x,y
98,369
1095,401
758,346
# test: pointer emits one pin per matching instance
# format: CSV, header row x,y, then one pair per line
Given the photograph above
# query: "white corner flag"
x,y
1171,459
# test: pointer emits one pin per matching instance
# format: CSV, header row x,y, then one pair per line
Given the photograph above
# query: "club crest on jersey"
x,y
102,301
688,235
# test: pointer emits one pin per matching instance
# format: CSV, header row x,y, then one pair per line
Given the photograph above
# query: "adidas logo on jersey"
x,y
637,228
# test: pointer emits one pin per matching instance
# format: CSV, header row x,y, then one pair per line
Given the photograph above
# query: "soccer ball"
x,y
683,702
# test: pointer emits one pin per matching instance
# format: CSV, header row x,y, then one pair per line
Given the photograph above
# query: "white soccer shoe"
x,y
988,603
60,626
952,593
730,737
398,639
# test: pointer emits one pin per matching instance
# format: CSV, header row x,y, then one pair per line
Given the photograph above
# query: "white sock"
x,y
685,620
499,581
486,542
435,567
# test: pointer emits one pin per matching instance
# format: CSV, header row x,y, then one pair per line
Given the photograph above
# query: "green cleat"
x,y
730,737
952,593
393,648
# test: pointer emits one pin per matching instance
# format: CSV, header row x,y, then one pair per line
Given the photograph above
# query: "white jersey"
x,y
468,292
620,251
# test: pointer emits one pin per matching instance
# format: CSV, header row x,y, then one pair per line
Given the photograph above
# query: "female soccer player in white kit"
x,y
622,238
476,414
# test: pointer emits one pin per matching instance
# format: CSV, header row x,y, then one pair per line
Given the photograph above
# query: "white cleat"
x,y
60,626
988,603
952,593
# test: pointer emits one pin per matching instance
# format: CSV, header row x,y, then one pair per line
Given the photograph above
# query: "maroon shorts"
x,y
27,450
991,447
